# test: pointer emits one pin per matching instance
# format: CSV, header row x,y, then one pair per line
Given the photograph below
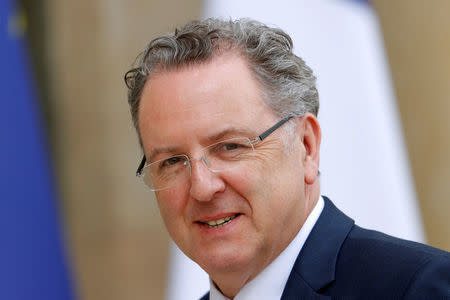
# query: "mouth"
x,y
219,222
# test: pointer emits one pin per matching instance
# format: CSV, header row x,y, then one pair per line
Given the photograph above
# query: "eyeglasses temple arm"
x,y
273,128
141,166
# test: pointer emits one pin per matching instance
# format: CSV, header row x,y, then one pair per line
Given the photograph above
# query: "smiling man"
x,y
227,120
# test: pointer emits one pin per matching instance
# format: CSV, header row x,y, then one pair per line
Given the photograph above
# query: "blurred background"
x,y
115,241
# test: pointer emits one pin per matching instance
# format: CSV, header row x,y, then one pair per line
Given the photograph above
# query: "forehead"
x,y
200,100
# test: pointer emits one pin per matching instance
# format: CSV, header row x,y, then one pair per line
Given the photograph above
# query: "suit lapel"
x,y
315,266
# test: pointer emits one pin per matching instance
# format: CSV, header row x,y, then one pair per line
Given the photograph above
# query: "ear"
x,y
311,136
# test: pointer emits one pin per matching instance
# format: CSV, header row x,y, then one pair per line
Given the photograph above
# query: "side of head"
x,y
288,83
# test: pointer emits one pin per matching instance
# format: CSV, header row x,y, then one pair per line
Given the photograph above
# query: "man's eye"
x,y
231,146
171,161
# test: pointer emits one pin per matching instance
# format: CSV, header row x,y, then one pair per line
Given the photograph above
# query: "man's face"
x,y
183,111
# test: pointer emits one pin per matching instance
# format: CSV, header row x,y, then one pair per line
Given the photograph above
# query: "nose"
x,y
204,183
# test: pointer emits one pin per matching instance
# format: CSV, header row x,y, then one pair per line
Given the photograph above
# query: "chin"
x,y
225,260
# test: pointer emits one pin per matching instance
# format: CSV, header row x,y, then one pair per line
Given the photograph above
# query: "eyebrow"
x,y
230,131
156,151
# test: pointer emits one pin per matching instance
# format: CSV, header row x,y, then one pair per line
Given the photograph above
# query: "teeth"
x,y
220,222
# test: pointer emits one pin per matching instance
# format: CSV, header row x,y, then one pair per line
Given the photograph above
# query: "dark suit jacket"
x,y
341,259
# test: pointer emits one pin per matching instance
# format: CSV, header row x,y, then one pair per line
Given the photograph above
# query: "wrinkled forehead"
x,y
199,99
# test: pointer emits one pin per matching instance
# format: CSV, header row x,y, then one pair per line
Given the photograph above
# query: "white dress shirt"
x,y
269,284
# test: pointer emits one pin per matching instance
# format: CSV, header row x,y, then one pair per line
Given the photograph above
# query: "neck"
x,y
230,283
229,288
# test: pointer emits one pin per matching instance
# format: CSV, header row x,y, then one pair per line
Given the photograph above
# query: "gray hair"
x,y
288,84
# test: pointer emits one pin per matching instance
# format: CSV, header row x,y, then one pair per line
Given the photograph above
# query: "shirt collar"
x,y
269,284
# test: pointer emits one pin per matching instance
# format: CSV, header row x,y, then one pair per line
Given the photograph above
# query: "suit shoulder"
x,y
431,280
398,265
380,244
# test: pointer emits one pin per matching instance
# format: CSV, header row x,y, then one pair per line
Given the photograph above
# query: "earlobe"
x,y
311,138
311,172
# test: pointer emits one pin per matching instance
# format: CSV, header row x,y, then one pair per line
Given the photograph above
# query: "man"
x,y
227,118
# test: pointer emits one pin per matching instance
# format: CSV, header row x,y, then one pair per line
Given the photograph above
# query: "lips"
x,y
219,222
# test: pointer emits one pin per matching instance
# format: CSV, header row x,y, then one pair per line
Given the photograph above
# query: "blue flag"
x,y
32,260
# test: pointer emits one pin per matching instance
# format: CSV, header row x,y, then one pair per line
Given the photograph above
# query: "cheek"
x,y
172,207
280,187
245,181
253,184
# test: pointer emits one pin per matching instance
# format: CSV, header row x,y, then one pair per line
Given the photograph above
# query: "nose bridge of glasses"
x,y
203,158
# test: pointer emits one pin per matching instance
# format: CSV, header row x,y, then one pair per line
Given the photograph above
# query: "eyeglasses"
x,y
229,154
